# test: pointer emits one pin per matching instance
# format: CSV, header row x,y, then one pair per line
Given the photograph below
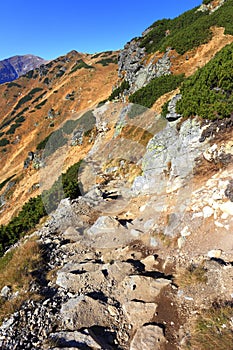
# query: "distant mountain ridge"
x,y
13,67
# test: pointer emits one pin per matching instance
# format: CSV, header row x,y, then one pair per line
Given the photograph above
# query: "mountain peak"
x,y
13,67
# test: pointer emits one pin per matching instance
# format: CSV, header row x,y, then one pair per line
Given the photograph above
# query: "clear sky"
x,y
51,28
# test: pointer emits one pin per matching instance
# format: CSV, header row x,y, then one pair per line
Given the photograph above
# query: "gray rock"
x,y
139,313
142,288
5,292
77,340
229,191
104,224
148,338
72,234
84,312
172,115
77,138
133,69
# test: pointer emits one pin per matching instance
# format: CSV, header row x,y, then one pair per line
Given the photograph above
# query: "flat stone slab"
x,y
84,312
74,340
148,338
142,287
139,313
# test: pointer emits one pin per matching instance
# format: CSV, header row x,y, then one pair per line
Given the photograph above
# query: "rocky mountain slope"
x,y
140,256
13,67
37,104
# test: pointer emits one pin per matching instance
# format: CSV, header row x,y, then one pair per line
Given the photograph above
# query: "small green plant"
x,y
20,119
102,54
101,103
29,74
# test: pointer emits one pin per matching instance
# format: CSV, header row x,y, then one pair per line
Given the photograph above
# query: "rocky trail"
x,y
117,258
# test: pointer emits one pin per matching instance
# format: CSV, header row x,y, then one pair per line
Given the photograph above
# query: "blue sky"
x,y
50,28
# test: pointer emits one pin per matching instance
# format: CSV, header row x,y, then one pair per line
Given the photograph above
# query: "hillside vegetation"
x,y
187,31
208,93
38,207
147,95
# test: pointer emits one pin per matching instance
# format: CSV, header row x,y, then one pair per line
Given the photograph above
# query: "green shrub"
x,y
36,208
101,103
20,113
3,183
29,74
107,61
42,144
65,186
147,95
165,109
12,129
209,92
39,97
27,218
4,142
20,119
103,54
41,104
13,84
97,55
35,90
80,64
27,97
118,91
46,81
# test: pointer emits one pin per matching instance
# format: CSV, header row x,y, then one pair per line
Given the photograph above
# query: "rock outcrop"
x,y
134,68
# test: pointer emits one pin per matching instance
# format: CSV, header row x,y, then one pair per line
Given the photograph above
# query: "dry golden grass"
x,y
213,329
191,275
16,271
24,260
